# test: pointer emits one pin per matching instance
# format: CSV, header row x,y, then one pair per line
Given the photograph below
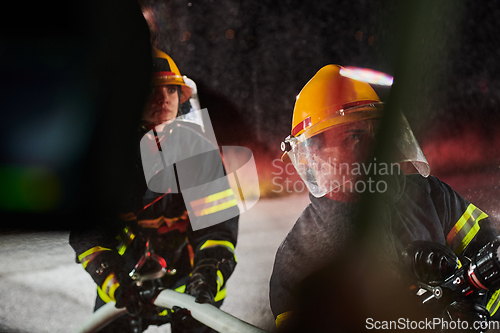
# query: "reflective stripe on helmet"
x,y
302,126
166,72
306,123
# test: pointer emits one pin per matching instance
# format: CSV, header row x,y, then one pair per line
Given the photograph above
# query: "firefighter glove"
x,y
430,262
182,321
128,295
203,284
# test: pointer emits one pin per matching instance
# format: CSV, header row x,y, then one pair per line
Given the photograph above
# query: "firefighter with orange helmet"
x,y
423,220
153,244
170,90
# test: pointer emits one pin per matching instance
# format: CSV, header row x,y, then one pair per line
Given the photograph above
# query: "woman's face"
x,y
162,105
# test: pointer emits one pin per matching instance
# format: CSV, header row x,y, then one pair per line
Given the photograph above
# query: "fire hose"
x,y
481,274
205,313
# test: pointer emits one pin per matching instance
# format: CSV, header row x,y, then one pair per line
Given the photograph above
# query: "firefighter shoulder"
x,y
334,122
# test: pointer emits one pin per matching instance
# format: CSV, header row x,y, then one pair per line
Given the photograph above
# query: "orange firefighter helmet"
x,y
166,72
330,99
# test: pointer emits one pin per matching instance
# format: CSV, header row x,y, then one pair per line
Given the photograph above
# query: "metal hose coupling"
x,y
484,270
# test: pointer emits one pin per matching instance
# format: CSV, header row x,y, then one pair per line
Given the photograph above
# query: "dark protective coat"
x,y
415,208
162,218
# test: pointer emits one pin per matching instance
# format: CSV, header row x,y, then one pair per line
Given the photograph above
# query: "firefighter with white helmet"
x,y
331,145
153,244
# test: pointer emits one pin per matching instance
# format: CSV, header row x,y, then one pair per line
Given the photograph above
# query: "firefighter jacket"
x,y
416,208
159,221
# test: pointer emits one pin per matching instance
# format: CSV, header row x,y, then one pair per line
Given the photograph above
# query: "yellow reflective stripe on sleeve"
x,y
220,295
110,285
465,229
210,243
126,237
181,289
88,255
282,317
165,312
103,296
220,280
214,203
217,208
213,197
122,249
227,244
113,289
493,303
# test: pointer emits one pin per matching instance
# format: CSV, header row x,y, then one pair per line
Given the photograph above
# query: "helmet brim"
x,y
174,80
285,158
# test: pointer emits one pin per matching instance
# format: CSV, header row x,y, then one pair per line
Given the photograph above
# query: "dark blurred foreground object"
x,y
354,295
348,296
75,78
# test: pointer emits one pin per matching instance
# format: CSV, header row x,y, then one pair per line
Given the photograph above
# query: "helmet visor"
x,y
342,153
190,111
408,148
328,160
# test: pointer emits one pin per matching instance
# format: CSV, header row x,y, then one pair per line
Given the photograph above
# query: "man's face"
x,y
350,144
336,156
162,105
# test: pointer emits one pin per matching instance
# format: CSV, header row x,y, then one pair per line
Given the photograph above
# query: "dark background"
x,y
447,52
74,77
250,59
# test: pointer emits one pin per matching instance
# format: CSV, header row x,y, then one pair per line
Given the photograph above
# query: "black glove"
x,y
475,315
428,265
106,269
181,320
433,263
203,282
430,262
212,266
138,300
128,296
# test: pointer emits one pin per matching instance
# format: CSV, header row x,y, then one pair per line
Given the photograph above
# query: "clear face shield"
x,y
337,150
191,110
